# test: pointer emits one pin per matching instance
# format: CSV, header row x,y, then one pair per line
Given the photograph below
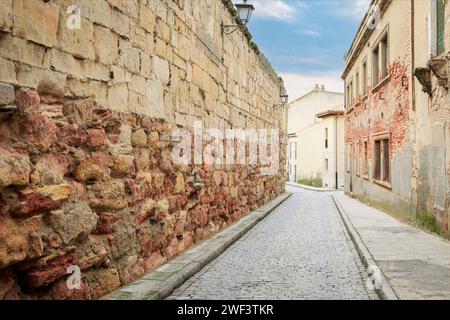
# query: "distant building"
x,y
316,138
397,129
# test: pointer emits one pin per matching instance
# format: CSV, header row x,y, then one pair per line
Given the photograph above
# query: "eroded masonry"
x,y
86,177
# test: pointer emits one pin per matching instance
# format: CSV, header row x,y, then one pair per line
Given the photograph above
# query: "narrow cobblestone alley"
x,y
300,251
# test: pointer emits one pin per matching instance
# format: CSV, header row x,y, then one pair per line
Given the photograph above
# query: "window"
x,y
380,59
381,171
384,56
358,158
440,26
349,98
326,138
293,150
364,78
357,86
376,66
366,159
326,164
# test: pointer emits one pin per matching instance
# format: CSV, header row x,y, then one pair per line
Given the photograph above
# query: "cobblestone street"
x,y
300,251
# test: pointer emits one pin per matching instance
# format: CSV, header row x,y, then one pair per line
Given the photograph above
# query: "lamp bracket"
x,y
229,29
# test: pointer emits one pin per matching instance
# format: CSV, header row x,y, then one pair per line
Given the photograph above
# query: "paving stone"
x,y
300,251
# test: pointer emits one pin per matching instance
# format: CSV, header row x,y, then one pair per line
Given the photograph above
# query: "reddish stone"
x,y
60,291
95,138
71,135
137,189
146,210
37,200
105,222
93,167
38,130
166,162
132,273
27,100
8,286
177,202
155,260
53,270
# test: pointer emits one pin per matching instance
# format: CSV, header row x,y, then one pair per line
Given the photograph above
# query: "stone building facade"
x,y
86,122
397,128
315,138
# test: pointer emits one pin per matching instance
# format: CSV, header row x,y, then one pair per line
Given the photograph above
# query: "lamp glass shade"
x,y
284,98
245,12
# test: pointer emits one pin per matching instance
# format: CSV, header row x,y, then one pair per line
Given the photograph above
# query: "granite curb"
x,y
385,292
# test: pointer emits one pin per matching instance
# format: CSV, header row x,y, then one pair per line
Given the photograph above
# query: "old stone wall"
x,y
86,176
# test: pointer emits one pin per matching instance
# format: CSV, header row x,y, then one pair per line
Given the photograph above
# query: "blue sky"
x,y
306,40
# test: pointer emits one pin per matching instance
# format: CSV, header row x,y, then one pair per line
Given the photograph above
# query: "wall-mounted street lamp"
x,y
283,99
245,11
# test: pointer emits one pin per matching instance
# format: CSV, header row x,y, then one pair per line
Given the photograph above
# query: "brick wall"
x,y
86,176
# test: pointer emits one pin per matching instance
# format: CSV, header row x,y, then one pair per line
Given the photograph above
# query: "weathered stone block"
x,y
19,240
6,16
7,71
138,84
50,169
155,99
96,138
46,81
77,42
129,56
36,200
120,23
106,44
146,209
14,168
51,271
92,168
38,131
139,138
73,221
36,21
95,71
105,222
17,49
122,164
7,95
160,68
147,18
118,97
64,62
109,194
104,281
179,187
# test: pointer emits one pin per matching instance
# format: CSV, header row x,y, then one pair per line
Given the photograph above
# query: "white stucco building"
x,y
316,138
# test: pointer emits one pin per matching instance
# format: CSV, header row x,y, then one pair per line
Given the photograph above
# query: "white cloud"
x,y
275,9
308,32
354,9
298,84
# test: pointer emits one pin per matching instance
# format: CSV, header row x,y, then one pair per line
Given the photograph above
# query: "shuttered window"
x,y
440,26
